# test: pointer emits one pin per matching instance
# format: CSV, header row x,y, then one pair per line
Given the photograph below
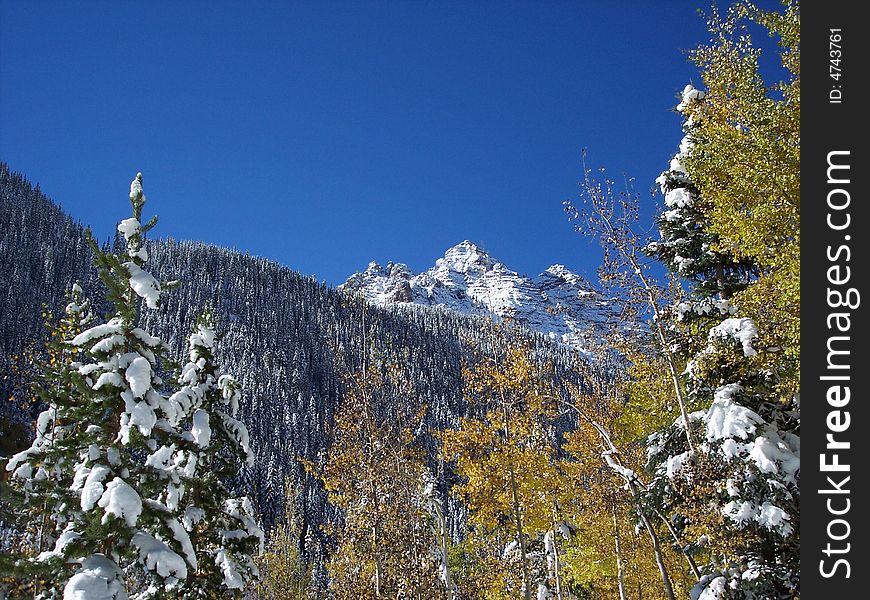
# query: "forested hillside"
x,y
283,336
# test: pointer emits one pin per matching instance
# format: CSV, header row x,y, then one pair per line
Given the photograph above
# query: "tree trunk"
x,y
620,571
444,539
518,519
556,569
629,253
378,574
692,564
612,453
660,561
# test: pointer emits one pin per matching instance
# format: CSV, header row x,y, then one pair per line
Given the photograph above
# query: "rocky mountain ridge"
x,y
558,303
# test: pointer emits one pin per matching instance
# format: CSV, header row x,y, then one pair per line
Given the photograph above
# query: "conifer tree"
x,y
111,461
222,527
738,499
43,474
686,245
114,419
745,163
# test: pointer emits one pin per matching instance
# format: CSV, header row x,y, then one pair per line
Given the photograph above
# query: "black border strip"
x,y
834,260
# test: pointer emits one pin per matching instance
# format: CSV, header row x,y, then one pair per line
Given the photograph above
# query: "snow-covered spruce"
x,y
685,245
748,467
108,469
222,528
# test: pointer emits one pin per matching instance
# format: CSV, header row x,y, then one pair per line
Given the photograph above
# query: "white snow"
x,y
772,517
98,578
180,535
731,448
136,188
121,501
142,416
739,511
557,303
93,488
238,432
731,488
704,306
773,454
675,463
174,493
146,338
690,94
161,459
63,540
767,515
727,419
44,419
111,378
717,589
158,557
678,198
129,227
24,471
107,344
192,516
625,472
138,375
230,392
201,430
112,327
232,578
204,337
740,329
144,284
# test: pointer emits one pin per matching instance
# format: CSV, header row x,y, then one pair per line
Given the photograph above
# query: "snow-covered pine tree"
x,y
38,496
747,471
686,245
747,468
222,527
113,535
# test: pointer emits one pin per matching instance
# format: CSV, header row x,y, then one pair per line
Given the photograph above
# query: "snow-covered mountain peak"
x,y
558,303
466,257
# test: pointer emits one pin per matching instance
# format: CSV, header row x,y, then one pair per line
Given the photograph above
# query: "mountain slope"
x,y
285,336
558,303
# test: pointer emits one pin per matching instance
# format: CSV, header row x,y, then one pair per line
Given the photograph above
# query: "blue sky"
x,y
327,134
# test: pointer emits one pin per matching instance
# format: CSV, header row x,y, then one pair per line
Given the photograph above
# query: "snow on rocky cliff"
x,y
557,303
